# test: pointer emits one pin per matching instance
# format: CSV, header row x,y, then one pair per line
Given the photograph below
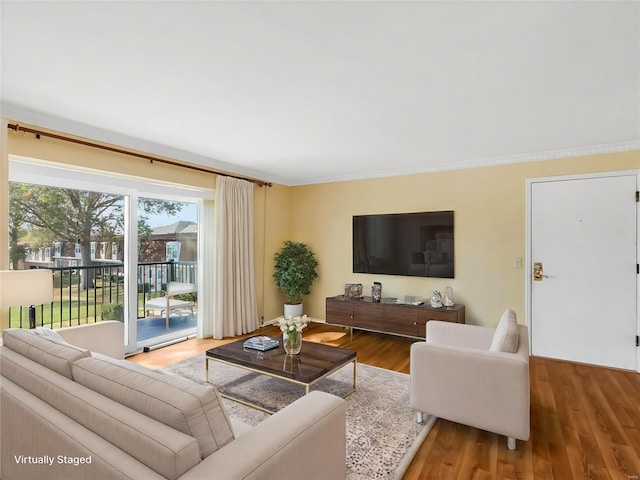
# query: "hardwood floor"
x,y
585,420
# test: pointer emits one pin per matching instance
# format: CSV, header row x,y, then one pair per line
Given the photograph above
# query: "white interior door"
x,y
583,231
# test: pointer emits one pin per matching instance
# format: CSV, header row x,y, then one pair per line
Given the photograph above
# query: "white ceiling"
x,y
308,92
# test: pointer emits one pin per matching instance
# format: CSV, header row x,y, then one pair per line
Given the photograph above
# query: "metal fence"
x,y
89,294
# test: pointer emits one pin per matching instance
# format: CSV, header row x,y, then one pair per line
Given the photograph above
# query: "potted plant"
x,y
295,271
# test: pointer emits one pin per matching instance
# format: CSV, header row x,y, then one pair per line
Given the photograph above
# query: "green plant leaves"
x,y
295,270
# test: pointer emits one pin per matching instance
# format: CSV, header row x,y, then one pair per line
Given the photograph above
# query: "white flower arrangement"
x,y
291,328
289,324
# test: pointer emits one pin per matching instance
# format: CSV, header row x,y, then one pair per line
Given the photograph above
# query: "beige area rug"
x,y
382,434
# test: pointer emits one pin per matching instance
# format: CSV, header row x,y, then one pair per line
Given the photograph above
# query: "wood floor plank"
x,y
571,416
542,406
585,420
606,432
479,454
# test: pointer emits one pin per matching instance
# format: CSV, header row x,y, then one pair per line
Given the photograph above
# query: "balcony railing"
x,y
90,294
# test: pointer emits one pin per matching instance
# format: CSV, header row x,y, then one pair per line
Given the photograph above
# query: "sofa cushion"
x,y
177,402
506,336
23,414
163,449
56,356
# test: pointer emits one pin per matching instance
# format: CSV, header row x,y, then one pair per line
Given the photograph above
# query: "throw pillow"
x,y
51,335
506,336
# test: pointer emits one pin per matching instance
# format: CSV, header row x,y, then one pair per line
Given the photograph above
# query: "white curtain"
x,y
206,268
234,292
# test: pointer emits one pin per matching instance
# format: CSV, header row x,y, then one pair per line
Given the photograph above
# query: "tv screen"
x,y
413,244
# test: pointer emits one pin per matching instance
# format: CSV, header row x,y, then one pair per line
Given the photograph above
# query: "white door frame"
x,y
528,244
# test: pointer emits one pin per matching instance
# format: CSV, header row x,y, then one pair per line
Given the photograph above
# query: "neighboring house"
x,y
181,237
68,254
156,249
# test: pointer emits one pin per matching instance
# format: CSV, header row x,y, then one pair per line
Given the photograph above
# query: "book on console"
x,y
262,343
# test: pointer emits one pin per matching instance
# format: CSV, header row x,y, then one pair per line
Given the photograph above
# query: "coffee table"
x,y
314,362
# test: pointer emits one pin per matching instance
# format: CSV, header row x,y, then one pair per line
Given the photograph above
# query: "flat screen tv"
x,y
412,244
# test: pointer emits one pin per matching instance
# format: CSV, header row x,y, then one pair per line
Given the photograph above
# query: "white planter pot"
x,y
292,310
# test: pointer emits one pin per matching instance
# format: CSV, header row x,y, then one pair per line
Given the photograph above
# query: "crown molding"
x,y
600,149
17,113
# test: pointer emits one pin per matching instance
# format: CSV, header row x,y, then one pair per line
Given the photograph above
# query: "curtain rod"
x,y
39,133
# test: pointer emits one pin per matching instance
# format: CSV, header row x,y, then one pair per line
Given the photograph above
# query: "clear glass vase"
x,y
292,341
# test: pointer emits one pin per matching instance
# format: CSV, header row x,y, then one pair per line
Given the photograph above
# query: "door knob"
x,y
537,272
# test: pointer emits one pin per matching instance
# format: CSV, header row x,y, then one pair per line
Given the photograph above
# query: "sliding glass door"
x,y
118,248
167,270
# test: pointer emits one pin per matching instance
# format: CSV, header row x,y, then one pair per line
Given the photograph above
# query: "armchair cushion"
x,y
506,336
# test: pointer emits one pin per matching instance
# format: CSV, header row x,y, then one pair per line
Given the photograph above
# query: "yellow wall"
x,y
277,228
489,213
46,148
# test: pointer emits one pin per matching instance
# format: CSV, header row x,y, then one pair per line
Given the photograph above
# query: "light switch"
x,y
517,262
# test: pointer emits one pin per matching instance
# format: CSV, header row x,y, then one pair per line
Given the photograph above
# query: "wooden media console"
x,y
388,316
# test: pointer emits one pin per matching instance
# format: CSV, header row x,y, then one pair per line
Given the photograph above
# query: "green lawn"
x,y
80,312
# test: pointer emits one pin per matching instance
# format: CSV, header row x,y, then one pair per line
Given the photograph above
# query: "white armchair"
x,y
466,374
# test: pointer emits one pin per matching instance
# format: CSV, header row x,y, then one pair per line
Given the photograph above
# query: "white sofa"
x,y
460,374
68,413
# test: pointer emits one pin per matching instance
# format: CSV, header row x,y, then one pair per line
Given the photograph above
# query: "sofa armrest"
x,y
483,389
307,439
459,334
105,337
